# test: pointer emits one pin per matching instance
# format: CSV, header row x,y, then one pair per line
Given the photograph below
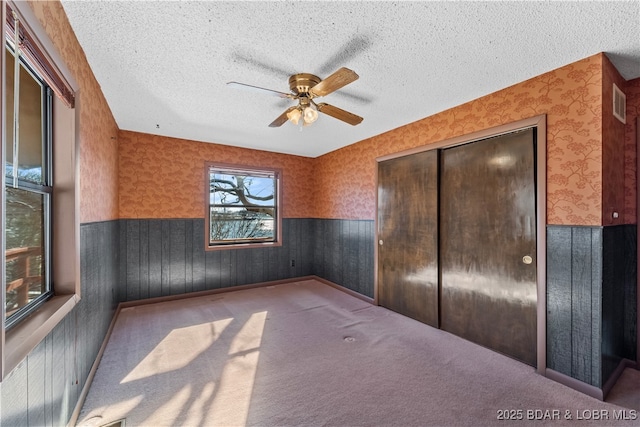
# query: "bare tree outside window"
x,y
242,206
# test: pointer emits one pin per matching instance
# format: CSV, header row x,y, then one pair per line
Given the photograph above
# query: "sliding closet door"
x,y
408,236
488,244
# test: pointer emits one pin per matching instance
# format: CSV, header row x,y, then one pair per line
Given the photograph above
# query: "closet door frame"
x,y
540,123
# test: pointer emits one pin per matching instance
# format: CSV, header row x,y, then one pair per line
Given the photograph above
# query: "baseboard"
x,y
211,292
613,379
343,289
575,384
588,389
244,287
92,373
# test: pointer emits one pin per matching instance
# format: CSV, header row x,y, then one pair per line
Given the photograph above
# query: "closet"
x,y
408,236
457,240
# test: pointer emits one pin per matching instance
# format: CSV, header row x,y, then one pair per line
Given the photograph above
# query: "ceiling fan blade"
x,y
335,81
339,114
260,89
282,118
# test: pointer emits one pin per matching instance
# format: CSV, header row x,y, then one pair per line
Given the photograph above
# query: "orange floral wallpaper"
x,y
630,151
613,149
120,179
98,129
571,97
163,177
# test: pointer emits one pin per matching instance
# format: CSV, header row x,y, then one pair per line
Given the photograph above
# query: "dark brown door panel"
x,y
408,236
488,243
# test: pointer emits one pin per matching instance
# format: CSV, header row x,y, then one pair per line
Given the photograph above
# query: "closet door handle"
x,y
380,242
527,259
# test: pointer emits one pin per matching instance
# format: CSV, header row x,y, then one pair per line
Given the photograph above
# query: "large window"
x,y
242,206
28,187
39,206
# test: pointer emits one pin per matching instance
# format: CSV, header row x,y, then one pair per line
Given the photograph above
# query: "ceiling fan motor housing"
x,y
302,83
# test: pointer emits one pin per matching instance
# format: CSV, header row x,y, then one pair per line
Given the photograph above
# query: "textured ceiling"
x,y
163,66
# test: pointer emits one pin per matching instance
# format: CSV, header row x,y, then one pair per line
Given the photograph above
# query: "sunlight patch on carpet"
x,y
231,405
171,409
179,348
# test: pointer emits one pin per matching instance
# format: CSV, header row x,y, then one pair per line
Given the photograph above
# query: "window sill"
x,y
24,337
244,246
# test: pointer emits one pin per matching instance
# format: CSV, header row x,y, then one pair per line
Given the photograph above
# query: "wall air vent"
x,y
619,104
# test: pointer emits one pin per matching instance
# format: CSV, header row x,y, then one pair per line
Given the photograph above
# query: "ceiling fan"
x,y
305,87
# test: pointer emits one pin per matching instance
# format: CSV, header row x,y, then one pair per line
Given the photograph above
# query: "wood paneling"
x,y
198,267
487,227
44,388
574,283
15,401
161,257
39,391
408,236
581,303
619,310
343,253
630,292
133,275
559,279
590,307
165,257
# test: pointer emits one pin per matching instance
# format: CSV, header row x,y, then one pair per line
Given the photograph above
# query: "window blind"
x,y
37,57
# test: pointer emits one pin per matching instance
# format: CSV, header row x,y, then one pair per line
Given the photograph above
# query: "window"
x,y
28,188
243,206
40,207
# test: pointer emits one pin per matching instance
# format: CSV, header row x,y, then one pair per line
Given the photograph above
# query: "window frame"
x,y
44,188
208,167
20,340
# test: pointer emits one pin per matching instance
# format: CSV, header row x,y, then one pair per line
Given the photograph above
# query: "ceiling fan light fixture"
x,y
294,116
310,115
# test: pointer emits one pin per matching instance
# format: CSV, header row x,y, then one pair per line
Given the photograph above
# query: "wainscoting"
x,y
591,310
160,257
168,257
45,387
344,253
591,294
619,310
